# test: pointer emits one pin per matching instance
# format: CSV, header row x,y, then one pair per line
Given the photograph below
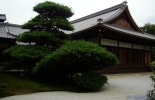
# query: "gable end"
x,y
125,20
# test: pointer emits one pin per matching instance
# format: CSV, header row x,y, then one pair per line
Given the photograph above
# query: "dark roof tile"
x,y
8,30
91,20
111,9
131,32
2,17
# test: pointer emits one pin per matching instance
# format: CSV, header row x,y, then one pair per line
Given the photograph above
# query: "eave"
x,y
118,31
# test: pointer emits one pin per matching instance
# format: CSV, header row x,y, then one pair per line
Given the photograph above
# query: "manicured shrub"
x,y
151,93
91,80
75,57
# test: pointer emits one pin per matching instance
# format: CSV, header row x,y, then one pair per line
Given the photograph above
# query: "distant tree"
x,y
45,33
148,28
151,93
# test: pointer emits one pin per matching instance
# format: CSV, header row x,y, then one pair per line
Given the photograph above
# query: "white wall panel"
x,y
109,42
125,45
137,46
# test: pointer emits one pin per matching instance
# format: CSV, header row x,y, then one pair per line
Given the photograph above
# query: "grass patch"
x,y
13,85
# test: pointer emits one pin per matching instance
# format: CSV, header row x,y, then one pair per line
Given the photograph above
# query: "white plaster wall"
x,y
137,46
125,45
109,42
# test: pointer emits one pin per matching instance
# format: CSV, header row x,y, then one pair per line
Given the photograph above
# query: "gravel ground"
x,y
121,87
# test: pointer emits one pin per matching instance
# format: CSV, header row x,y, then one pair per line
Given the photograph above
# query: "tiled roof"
x,y
8,30
110,12
2,17
15,29
4,32
91,20
127,31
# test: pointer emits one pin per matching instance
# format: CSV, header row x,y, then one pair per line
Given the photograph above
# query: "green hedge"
x,y
75,57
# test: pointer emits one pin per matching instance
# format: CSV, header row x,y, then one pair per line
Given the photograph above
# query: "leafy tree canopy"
x,y
53,9
43,37
52,16
44,23
25,55
148,28
28,51
46,28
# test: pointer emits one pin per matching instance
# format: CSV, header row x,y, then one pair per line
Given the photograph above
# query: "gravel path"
x,y
121,87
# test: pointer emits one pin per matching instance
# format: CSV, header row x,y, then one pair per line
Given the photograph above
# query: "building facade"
x,y
115,29
8,34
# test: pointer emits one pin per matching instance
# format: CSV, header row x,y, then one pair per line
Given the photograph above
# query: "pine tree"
x,y
46,28
46,32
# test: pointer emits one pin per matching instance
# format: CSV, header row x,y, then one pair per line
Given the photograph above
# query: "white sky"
x,y
20,11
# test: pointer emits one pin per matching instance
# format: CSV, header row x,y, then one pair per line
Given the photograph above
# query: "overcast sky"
x,y
20,11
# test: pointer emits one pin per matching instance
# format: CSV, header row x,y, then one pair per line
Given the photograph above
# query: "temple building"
x,y
115,29
8,33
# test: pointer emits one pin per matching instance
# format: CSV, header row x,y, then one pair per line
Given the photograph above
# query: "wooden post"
x,y
145,65
134,59
99,36
117,54
152,53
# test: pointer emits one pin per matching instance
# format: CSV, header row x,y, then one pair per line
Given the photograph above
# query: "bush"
x,y
153,66
151,93
75,57
25,56
91,81
28,51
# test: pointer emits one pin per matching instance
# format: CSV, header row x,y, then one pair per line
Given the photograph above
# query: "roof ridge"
x,y
9,24
2,17
101,12
115,14
2,14
16,25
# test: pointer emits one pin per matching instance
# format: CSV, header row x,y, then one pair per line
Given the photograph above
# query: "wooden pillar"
x,y
134,58
118,46
145,66
151,52
118,54
144,56
99,37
